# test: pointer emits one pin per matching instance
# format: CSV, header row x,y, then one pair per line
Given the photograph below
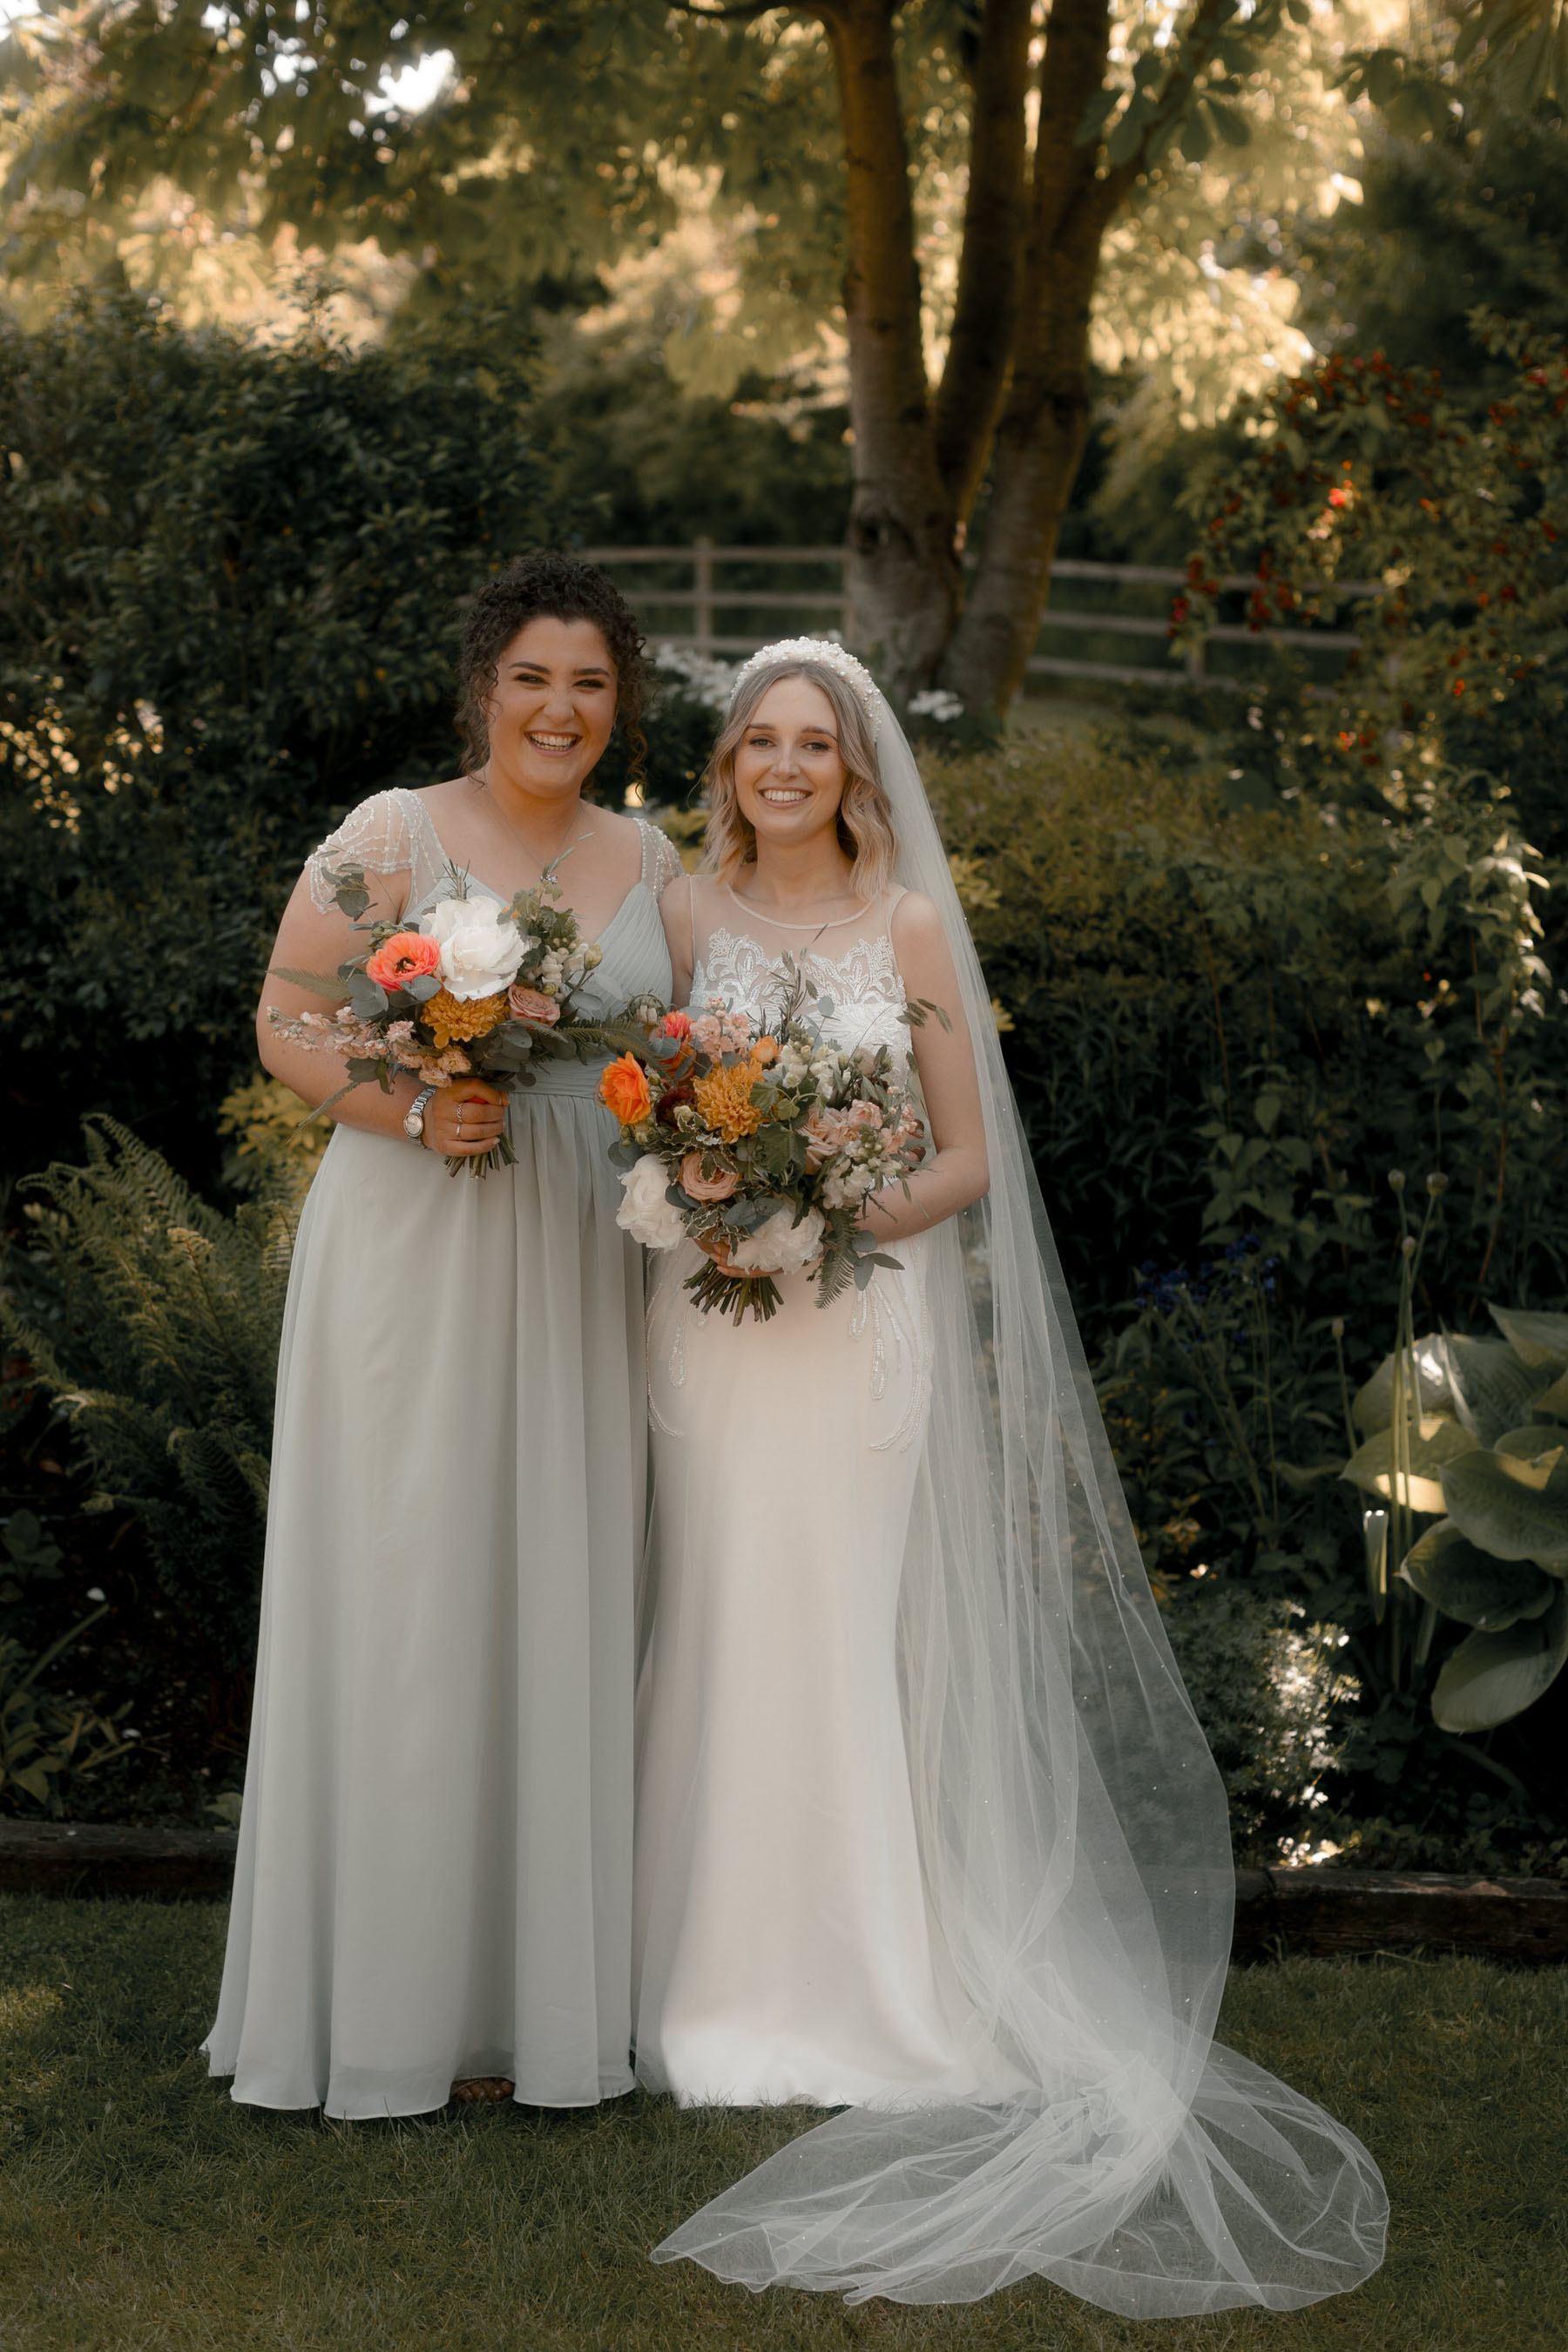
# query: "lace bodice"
x,y
739,956
393,833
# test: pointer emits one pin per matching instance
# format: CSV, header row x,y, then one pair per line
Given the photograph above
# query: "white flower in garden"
x,y
780,1245
936,703
645,1212
479,956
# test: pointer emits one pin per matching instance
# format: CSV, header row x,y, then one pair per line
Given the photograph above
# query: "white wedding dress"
x,y
927,1830
783,1949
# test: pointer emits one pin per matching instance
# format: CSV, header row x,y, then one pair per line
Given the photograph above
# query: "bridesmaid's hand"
x,y
716,1247
464,1119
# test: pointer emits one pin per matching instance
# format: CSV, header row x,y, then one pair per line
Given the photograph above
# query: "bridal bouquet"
x,y
472,988
764,1136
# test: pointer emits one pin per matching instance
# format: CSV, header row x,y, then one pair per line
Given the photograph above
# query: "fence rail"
x,y
706,598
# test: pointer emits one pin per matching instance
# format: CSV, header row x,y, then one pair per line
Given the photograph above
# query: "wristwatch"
x,y
414,1124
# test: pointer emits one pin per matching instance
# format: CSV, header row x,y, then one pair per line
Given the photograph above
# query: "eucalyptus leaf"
x,y
367,998
1492,1677
1451,1572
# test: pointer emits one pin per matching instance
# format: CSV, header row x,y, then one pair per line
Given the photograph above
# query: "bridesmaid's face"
x,y
789,777
553,708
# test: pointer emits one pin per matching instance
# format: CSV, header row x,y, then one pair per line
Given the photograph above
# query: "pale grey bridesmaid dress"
x,y
435,1865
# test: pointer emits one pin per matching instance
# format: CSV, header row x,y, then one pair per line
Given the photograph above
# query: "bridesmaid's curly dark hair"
x,y
563,588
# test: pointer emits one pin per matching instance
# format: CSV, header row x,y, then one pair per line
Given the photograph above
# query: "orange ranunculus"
x,y
532,1005
697,1187
676,1025
764,1052
624,1091
408,955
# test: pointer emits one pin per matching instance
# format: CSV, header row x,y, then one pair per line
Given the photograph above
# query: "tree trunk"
x,y
1040,440
900,568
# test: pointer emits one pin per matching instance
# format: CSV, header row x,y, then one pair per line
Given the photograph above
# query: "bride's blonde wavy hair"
x,y
865,819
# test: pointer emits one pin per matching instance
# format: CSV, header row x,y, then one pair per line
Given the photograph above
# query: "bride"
x,y
926,1828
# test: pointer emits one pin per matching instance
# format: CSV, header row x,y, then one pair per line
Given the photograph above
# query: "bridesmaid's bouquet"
x,y
470,989
764,1137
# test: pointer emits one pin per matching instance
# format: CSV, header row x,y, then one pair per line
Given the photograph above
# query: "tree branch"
x,y
974,378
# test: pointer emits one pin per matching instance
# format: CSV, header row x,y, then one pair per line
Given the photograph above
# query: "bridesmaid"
x,y
433,1888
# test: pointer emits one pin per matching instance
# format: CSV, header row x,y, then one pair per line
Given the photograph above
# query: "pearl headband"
x,y
813,649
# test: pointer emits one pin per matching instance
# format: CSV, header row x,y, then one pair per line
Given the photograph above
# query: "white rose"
x,y
780,1247
479,953
645,1212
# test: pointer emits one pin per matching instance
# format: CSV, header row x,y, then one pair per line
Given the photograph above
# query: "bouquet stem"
x,y
502,1153
733,1294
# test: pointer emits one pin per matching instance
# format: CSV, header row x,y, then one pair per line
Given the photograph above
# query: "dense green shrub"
x,y
229,585
156,1331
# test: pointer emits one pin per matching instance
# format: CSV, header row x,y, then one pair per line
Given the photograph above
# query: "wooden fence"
x,y
1104,612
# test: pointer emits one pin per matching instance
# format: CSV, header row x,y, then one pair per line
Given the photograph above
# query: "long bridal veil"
x,y
1074,1839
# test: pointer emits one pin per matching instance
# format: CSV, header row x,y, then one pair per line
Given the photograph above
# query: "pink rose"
x,y
697,1187
532,1005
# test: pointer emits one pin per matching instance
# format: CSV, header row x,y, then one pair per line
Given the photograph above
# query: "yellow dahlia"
x,y
447,1016
724,1099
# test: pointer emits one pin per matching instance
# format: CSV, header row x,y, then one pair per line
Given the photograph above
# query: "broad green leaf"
x,y
1491,1386
1539,1340
1230,122
1493,1676
1554,1399
1532,1452
1438,1441
1513,1506
1446,1568
1195,138
1373,1406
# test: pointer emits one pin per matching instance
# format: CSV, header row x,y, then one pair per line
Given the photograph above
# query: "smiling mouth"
x,y
783,796
554,742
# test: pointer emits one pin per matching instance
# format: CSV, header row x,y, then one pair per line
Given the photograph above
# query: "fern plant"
x,y
160,1351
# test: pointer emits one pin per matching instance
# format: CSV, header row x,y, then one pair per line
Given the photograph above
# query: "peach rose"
x,y
408,955
624,1091
532,1005
826,1131
697,1187
766,1052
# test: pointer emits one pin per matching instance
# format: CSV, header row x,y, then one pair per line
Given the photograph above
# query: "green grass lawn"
x,y
140,2207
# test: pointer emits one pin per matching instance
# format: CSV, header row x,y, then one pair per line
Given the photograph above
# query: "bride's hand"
x,y
716,1247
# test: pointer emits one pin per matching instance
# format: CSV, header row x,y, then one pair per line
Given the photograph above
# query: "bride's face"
x,y
789,777
553,708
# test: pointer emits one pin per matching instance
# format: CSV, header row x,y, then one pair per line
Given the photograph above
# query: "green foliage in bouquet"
x,y
160,1353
